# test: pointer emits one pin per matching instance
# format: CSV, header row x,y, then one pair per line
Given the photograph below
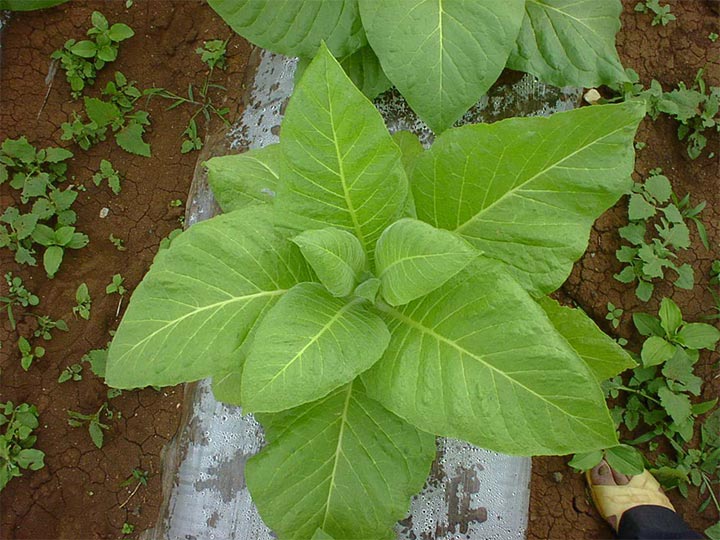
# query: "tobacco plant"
x,y
442,56
360,312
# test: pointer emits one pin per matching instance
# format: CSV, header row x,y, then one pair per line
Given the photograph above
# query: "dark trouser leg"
x,y
649,522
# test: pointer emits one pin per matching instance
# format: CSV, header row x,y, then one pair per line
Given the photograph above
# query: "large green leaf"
x,y
364,70
201,299
570,42
527,190
295,27
601,353
478,360
336,256
414,258
344,464
28,5
341,168
239,180
307,345
442,55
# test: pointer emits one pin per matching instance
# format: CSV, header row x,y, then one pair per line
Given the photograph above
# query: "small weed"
x,y
28,353
614,314
18,295
46,325
17,441
83,302
661,14
71,373
713,36
127,528
82,60
213,53
715,273
119,243
93,423
175,203
192,140
116,285
122,93
107,172
137,475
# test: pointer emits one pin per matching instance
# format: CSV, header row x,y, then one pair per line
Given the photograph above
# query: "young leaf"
x,y
295,27
101,112
368,290
241,179
655,351
457,366
601,353
52,259
340,168
309,344
586,460
527,190
625,459
670,316
96,434
570,42
335,255
325,456
699,336
648,325
414,258
208,277
442,56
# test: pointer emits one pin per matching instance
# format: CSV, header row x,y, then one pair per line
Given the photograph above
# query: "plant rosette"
x,y
367,307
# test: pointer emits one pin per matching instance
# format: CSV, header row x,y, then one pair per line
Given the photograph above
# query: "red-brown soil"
x,y
560,507
78,495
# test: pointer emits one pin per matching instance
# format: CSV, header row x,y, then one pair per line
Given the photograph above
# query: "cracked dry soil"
x,y
78,495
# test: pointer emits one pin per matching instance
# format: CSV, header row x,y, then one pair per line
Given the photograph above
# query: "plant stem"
x,y
638,392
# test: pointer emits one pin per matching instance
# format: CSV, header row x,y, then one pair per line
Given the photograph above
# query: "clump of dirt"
x,y
560,506
78,493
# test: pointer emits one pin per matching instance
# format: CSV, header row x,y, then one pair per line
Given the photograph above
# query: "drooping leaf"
x,y
527,190
336,256
570,42
241,179
201,298
295,27
340,168
414,258
309,344
601,353
442,55
477,360
364,70
327,456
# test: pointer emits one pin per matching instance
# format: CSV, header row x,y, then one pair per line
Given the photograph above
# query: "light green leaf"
x,y
336,256
52,258
410,148
309,344
442,55
655,351
699,336
586,460
570,42
295,27
678,406
130,139
414,258
364,70
120,32
326,457
368,290
239,180
222,274
101,112
84,49
340,168
321,535
625,459
477,360
670,316
601,353
527,190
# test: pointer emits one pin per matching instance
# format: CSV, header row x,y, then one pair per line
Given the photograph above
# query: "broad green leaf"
x,y
527,190
364,70
101,112
586,460
309,344
410,148
130,139
670,316
478,360
28,5
336,256
84,49
414,258
295,27
678,406
343,464
52,258
625,459
56,155
570,42
242,179
321,535
120,32
601,353
442,55
201,298
340,168
647,325
699,336
655,351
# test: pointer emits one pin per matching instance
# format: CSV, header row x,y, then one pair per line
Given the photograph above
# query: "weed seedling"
x,y
93,423
83,302
119,243
116,285
71,373
18,295
176,203
107,172
28,353
46,325
139,476
614,314
17,441
213,53
661,14
127,528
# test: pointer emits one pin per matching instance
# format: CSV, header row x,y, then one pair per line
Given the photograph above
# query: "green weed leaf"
x,y
130,139
655,351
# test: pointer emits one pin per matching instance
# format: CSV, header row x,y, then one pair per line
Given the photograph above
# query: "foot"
x,y
614,493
